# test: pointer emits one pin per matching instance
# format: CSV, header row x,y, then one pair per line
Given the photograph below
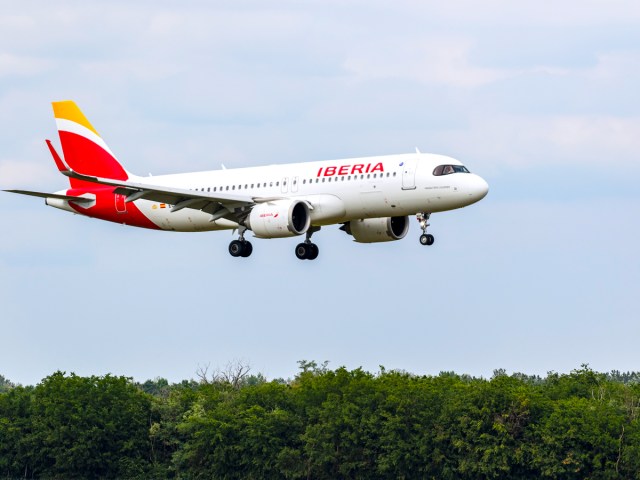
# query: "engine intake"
x,y
279,218
372,230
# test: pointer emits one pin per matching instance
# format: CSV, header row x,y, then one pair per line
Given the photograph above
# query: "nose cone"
x,y
473,188
480,188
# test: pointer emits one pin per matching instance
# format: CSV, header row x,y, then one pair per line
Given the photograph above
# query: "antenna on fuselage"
x,y
223,167
418,151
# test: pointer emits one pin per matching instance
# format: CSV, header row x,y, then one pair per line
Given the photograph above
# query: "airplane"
x,y
370,197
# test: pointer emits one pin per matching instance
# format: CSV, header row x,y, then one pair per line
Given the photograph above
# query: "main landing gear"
x,y
308,250
425,238
240,247
304,251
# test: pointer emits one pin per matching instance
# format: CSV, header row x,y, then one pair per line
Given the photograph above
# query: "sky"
x,y
540,98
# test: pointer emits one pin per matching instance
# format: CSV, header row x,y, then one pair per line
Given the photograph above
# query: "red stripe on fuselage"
x,y
88,158
107,209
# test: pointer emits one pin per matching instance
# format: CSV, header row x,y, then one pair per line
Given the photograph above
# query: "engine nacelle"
x,y
279,218
370,230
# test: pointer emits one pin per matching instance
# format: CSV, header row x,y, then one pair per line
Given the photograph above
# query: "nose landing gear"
x,y
425,238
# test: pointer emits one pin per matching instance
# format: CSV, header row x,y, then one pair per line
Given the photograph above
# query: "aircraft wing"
x,y
219,205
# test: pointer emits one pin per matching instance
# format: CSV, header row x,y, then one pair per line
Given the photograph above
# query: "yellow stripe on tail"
x,y
68,110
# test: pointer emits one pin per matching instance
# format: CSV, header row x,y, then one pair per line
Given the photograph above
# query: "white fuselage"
x,y
338,191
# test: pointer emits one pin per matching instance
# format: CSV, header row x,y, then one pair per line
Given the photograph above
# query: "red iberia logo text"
x,y
350,169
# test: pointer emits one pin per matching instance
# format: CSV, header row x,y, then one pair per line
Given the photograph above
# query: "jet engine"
x,y
370,230
279,218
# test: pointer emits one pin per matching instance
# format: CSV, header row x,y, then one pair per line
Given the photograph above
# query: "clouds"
x,y
540,98
432,61
11,65
538,142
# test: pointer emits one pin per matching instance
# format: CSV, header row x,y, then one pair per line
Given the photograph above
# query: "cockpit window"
x,y
448,169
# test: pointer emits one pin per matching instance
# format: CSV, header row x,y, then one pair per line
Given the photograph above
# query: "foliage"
x,y
325,424
71,426
6,384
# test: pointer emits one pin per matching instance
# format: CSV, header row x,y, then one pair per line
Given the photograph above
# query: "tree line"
x,y
324,424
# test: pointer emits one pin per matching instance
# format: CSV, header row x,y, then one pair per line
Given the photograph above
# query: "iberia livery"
x,y
370,197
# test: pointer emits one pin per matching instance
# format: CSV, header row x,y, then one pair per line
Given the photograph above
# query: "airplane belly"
x,y
374,204
326,209
373,201
436,199
185,220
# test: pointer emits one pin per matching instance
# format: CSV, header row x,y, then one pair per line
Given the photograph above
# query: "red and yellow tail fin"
x,y
84,150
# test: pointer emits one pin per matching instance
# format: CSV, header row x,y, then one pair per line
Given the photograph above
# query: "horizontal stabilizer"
x,y
57,196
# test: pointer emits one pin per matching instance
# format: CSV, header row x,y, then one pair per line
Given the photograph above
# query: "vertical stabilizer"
x,y
84,150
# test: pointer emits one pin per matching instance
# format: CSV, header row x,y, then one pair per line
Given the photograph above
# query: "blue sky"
x,y
539,98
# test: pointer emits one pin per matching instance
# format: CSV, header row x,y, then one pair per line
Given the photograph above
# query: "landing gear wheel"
x,y
427,239
247,248
236,248
302,251
307,251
